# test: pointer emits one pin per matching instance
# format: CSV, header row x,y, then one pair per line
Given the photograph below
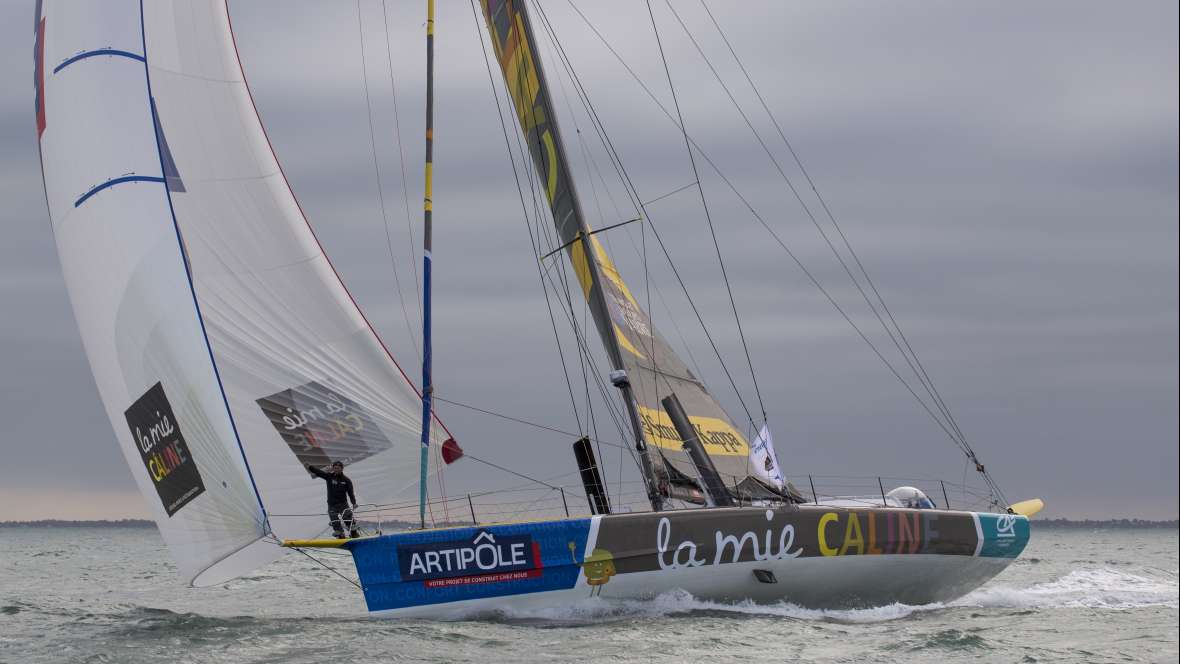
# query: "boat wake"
x,y
1102,588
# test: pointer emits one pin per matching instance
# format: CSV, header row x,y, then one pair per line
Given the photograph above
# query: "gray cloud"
x,y
1007,173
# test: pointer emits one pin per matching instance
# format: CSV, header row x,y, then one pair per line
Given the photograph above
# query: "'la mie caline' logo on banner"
x,y
321,426
165,453
484,558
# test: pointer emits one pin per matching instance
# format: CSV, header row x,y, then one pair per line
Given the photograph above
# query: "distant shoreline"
x,y
1038,523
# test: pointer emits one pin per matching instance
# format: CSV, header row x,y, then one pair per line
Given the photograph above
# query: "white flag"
x,y
763,459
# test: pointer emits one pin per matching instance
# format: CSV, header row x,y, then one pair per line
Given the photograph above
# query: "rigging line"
x,y
733,188
920,375
585,154
862,335
920,370
616,162
402,161
672,193
584,349
815,282
634,197
524,210
550,234
551,238
583,359
588,158
439,475
507,470
377,170
705,206
594,191
642,256
325,566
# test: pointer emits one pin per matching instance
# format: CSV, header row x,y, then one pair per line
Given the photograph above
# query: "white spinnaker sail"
x,y
259,349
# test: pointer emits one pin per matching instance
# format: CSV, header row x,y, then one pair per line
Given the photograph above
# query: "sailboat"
x,y
230,356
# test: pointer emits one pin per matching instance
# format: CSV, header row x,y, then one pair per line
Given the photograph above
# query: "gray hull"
x,y
814,557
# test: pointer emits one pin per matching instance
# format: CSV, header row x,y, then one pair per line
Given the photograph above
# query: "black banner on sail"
x,y
321,426
163,449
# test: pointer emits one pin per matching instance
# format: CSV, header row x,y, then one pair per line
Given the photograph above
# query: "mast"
x,y
573,231
427,208
618,374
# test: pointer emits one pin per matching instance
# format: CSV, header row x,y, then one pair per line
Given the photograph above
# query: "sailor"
x,y
340,495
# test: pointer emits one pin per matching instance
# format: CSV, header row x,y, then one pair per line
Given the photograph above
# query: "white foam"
x,y
679,602
1102,588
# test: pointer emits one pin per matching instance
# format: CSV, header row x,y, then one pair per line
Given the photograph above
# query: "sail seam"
x,y
189,275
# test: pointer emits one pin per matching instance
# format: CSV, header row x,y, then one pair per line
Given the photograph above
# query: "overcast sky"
x,y
1006,171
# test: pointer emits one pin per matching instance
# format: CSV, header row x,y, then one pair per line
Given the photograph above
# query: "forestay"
x,y
227,352
631,341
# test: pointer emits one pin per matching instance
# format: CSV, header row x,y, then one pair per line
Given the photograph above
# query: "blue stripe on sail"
x,y
169,164
101,51
188,273
113,182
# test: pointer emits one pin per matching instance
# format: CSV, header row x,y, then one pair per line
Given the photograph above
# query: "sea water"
x,y
111,595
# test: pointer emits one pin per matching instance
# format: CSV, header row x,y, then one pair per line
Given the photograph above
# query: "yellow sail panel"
x,y
718,436
636,321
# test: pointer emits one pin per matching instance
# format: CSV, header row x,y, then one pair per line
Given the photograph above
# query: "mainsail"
x,y
226,350
632,342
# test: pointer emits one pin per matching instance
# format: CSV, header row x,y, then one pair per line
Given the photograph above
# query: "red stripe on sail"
x,y
39,77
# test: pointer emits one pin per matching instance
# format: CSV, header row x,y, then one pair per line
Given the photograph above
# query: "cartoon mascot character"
x,y
598,567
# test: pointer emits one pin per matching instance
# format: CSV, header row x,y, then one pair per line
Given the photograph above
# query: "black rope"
x,y
507,470
401,155
617,163
584,350
536,251
377,171
325,566
521,421
675,191
920,369
922,377
705,206
524,210
651,95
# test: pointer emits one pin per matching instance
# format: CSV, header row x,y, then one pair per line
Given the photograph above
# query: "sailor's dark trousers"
x,y
340,516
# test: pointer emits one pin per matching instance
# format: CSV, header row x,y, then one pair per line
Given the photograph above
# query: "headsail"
x,y
226,349
631,341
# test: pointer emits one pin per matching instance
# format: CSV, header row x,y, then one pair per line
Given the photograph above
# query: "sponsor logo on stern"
x,y
1006,526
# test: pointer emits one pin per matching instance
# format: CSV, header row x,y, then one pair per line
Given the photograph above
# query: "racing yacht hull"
x,y
810,556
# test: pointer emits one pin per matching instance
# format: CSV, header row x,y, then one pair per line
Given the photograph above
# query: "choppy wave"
x,y
1101,588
